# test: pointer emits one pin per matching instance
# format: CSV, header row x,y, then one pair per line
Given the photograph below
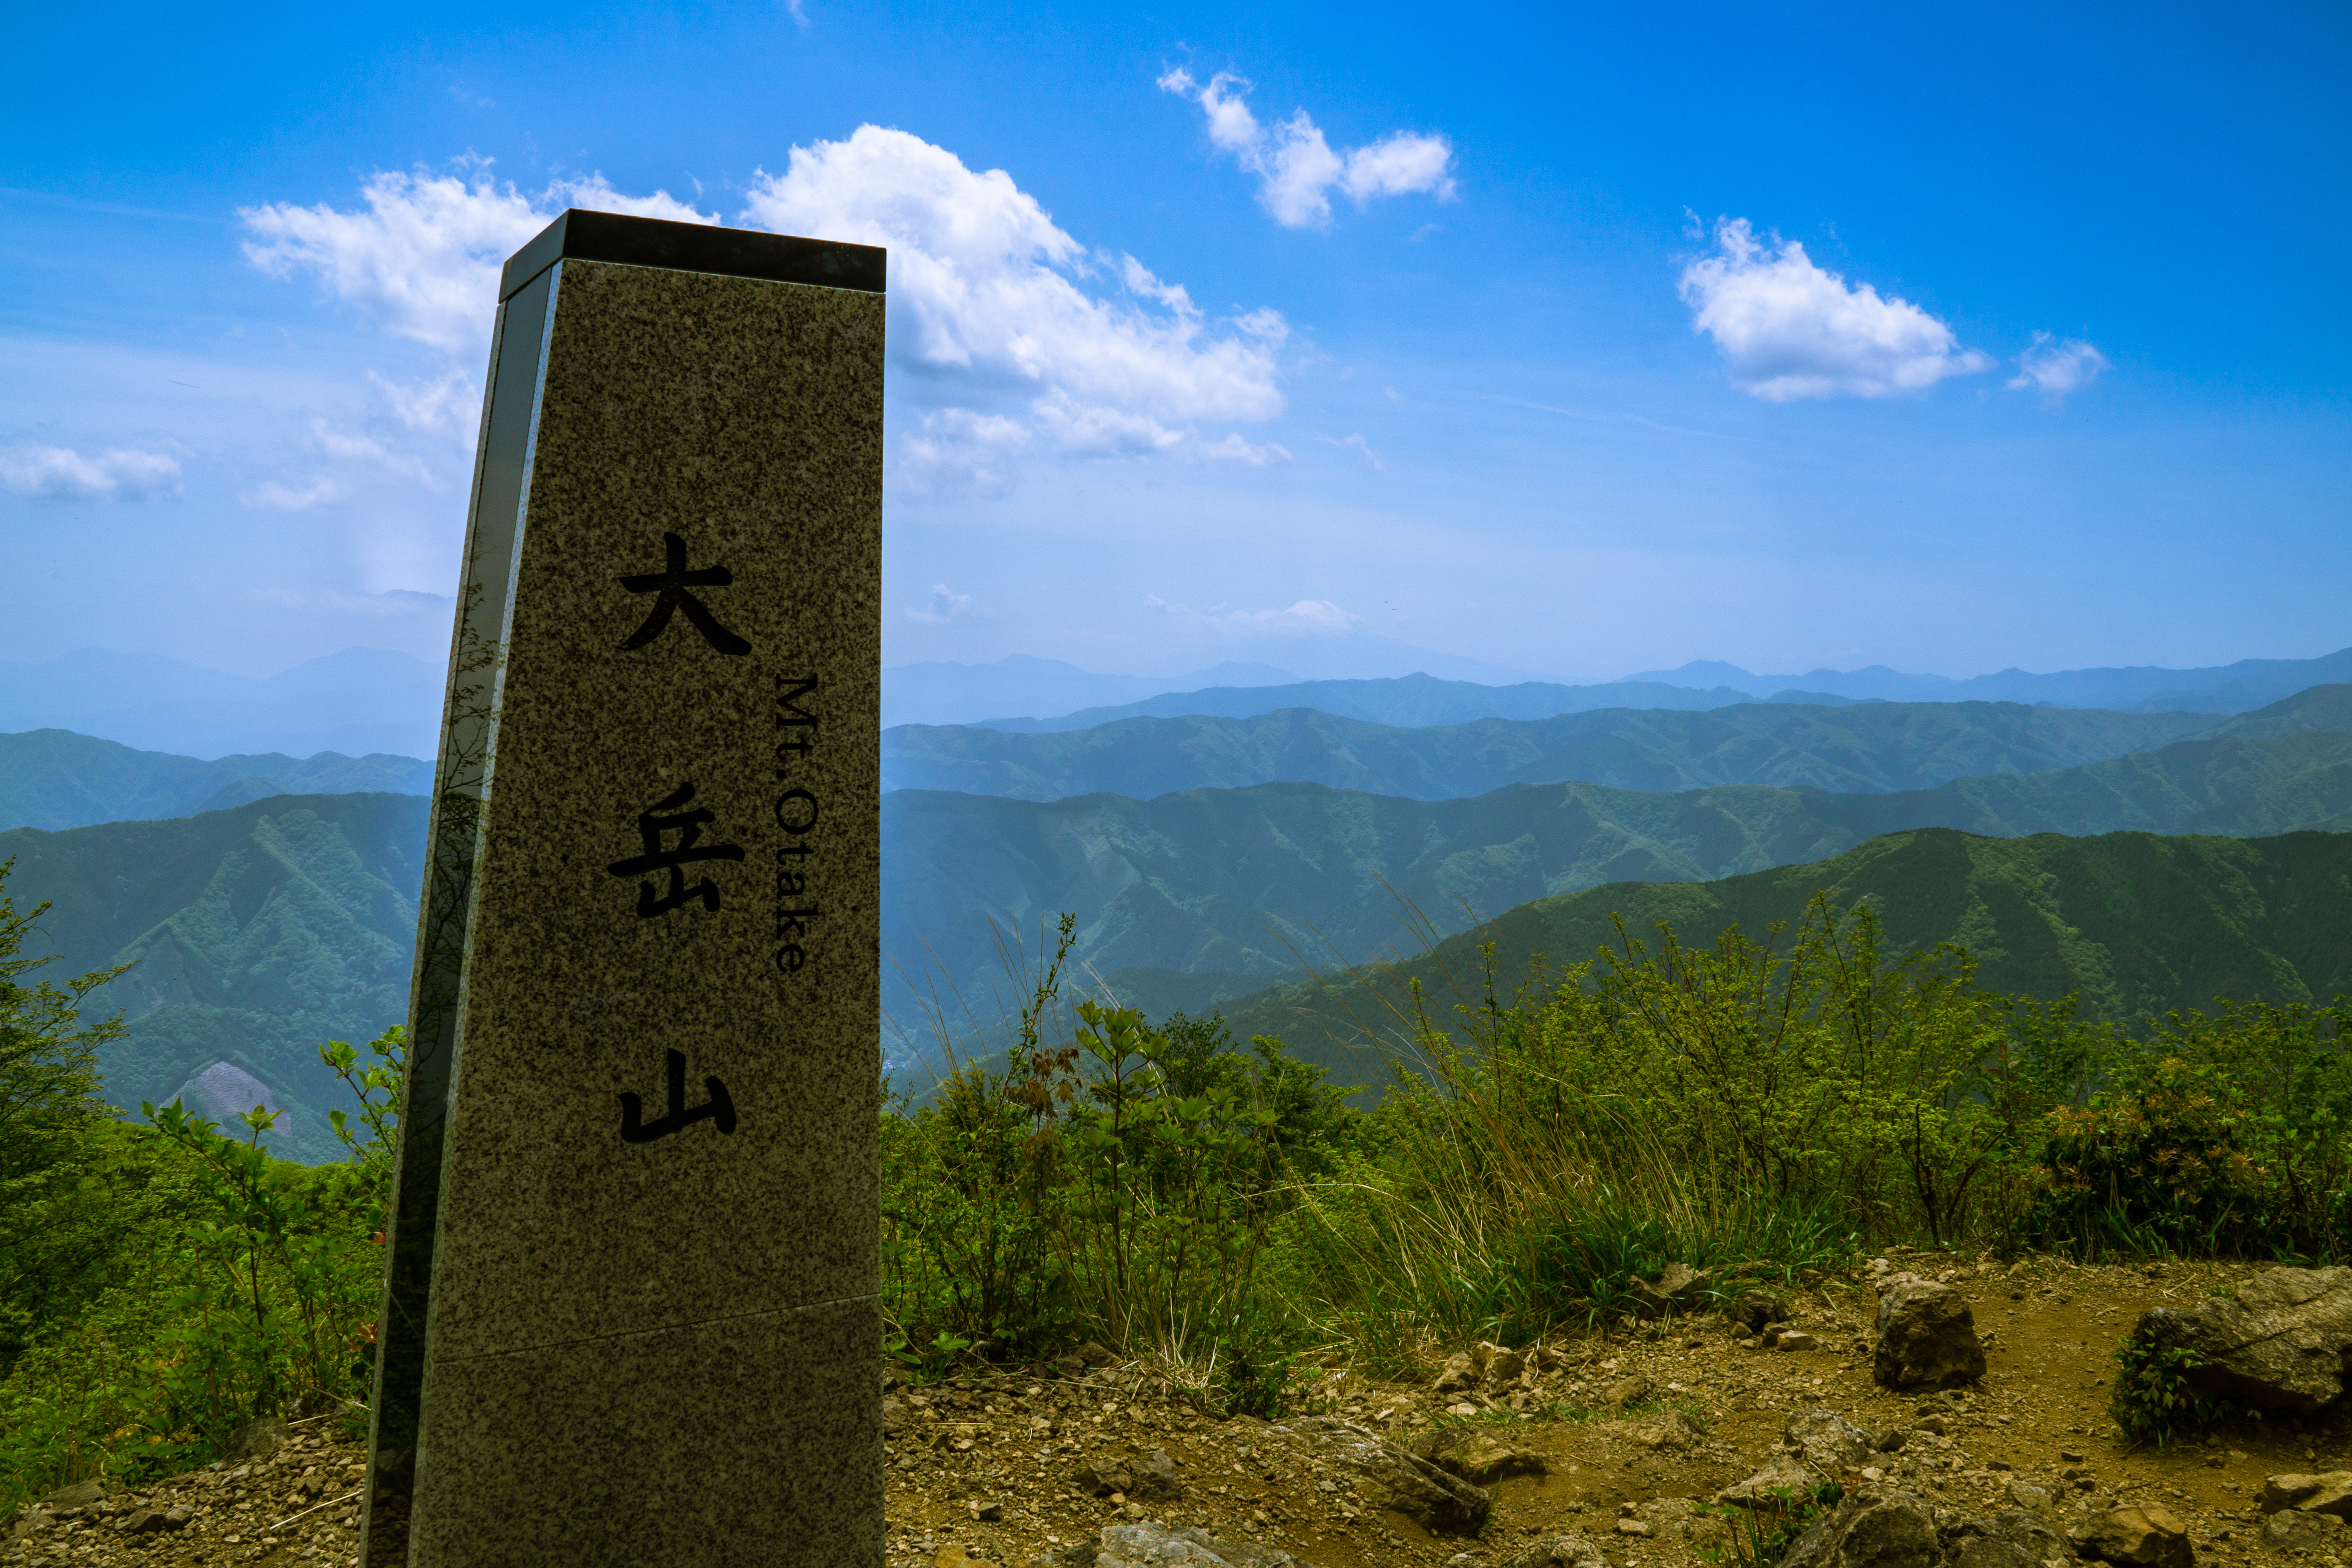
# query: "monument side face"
x,y
652,1327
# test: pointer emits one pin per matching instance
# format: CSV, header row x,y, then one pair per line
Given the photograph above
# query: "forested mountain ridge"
x,y
1232,883
258,933
58,779
2135,924
1876,747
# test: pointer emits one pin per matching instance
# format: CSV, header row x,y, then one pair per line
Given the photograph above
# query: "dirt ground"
x,y
980,1466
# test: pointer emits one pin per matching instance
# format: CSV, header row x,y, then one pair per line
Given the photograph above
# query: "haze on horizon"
x,y
1562,344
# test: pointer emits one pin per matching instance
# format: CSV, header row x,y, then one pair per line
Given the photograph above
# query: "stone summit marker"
x,y
630,1307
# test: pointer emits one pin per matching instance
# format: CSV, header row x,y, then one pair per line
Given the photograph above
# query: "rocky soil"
x,y
1625,1442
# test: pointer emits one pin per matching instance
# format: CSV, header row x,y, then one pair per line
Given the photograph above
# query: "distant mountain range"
x,y
259,933
1227,884
2134,923
356,702
55,779
950,693
2142,689
1877,746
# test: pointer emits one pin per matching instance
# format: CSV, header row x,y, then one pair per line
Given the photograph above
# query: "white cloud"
x,y
285,498
1296,168
446,404
63,475
422,262
1234,449
1791,330
992,304
349,447
1354,442
1307,617
2058,366
947,606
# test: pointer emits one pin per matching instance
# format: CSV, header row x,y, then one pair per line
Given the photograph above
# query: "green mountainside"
x,y
1875,746
260,933
1227,884
55,779
2137,923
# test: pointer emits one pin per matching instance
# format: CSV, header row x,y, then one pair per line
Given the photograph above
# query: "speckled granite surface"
x,y
651,1333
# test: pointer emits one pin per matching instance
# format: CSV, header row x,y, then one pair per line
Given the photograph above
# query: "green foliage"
x,y
2223,1134
1760,1537
2151,1399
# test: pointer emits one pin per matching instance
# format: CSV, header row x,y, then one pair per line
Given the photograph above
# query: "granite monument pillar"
x,y
631,1311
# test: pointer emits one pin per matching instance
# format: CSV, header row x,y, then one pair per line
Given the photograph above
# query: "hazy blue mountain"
x,y
55,778
1407,701
259,933
1875,746
358,701
1255,881
2146,689
2134,924
948,693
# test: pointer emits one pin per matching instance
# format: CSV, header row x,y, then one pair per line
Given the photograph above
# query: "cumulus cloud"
x,y
1294,163
422,261
948,607
60,473
1791,330
2058,366
1012,335
1307,617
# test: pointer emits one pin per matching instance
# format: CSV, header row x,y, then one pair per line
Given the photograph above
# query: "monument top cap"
x,y
694,247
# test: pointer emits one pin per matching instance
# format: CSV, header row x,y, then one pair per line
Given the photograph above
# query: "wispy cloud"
x,y
1353,441
948,607
61,475
1306,617
1791,330
1295,163
2057,366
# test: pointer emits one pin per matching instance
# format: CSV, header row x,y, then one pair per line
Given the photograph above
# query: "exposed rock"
x,y
1926,1336
1392,1477
2019,1539
2032,1499
1560,1551
1625,1390
1460,1373
1505,1367
1755,1311
81,1494
2292,1530
255,1440
1100,1477
2282,1342
1796,1340
1668,1432
1475,1454
1677,1289
2143,1537
1779,1481
1156,1480
1874,1527
1154,1545
1827,1442
1633,1526
2329,1492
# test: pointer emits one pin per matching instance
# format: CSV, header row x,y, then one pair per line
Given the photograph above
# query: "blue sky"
x,y
1572,340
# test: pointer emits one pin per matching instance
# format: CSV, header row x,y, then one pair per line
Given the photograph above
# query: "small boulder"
x,y
81,1494
1505,1368
1560,1551
1678,1287
1156,1480
2283,1342
1777,1484
1668,1432
1926,1336
1874,1527
2143,1537
1796,1340
1459,1373
2292,1530
2019,1539
1756,1310
1625,1390
1389,1477
1154,1545
1475,1454
255,1440
2029,1498
1826,1442
1100,1477
2329,1492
